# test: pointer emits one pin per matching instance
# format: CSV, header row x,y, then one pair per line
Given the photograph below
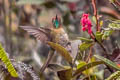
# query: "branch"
x,y
95,14
49,58
105,51
89,54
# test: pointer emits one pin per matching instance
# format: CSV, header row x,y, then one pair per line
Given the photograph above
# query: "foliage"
x,y
114,76
84,46
62,51
108,62
114,26
4,58
85,39
98,36
87,66
65,74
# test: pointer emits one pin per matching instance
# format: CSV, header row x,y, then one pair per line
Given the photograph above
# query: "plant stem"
x,y
49,58
89,54
105,51
95,14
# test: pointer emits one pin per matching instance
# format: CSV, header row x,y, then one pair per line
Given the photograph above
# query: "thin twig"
x,y
49,58
105,51
78,54
101,45
95,14
89,55
106,54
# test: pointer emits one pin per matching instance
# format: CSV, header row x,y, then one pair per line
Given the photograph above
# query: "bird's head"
x,y
56,21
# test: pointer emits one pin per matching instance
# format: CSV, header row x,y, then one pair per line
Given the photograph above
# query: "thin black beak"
x,y
56,17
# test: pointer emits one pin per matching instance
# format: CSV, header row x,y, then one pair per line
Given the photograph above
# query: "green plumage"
x,y
56,23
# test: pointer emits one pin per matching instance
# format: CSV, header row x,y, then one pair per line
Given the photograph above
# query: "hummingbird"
x,y
55,34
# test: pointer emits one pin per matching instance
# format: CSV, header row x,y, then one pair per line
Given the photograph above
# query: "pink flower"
x,y
84,28
86,23
85,15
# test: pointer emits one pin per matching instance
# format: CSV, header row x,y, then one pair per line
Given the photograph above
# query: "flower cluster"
x,y
86,23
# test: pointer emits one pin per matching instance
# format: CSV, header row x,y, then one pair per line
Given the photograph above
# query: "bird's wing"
x,y
42,34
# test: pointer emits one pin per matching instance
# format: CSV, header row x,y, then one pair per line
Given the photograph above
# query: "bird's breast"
x,y
60,36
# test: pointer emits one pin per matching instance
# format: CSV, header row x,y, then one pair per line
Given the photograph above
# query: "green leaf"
x,y
60,49
85,46
99,36
81,63
55,67
7,62
114,26
114,76
108,62
85,39
87,66
94,19
107,33
22,2
65,74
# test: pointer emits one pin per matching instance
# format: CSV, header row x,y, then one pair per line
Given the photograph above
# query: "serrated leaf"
x,y
87,66
114,26
98,36
85,39
55,67
108,62
7,62
60,49
85,46
114,76
22,2
65,74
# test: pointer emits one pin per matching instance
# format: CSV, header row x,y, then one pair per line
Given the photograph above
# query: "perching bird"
x,y
55,34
